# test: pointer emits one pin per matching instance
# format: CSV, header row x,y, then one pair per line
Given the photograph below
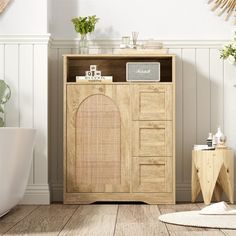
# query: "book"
x,y
87,79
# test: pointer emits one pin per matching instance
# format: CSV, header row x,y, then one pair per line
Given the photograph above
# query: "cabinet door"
x,y
98,138
152,102
152,138
152,174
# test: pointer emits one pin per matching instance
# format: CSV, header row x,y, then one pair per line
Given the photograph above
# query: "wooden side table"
x,y
213,173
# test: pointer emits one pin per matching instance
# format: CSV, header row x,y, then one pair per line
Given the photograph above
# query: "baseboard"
x,y
36,194
56,192
183,193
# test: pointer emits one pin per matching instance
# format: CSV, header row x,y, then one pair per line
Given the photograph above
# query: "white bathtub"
x,y
16,149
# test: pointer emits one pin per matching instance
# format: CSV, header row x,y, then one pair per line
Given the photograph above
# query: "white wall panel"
x,y
60,112
24,66
25,92
203,94
217,89
26,83
189,109
53,115
40,65
11,74
179,113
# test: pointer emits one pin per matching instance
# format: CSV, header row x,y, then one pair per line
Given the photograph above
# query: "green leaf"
x,y
84,25
228,50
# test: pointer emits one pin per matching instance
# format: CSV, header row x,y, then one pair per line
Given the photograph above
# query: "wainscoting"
x,y
24,66
205,100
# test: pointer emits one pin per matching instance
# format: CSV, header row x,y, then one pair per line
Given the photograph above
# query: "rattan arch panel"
x,y
98,141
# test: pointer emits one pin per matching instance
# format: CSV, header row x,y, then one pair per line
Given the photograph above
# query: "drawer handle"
x,y
157,126
155,89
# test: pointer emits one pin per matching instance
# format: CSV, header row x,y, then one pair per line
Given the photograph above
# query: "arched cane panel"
x,y
98,142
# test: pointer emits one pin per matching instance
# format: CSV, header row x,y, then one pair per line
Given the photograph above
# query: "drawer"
x,y
152,102
152,138
152,174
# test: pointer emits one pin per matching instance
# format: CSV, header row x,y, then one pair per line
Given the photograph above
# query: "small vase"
x,y
83,44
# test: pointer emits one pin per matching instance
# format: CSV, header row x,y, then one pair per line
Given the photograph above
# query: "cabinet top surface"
x,y
120,83
216,150
117,55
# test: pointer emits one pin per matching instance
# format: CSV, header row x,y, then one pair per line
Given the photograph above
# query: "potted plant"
x,y
83,26
5,94
229,51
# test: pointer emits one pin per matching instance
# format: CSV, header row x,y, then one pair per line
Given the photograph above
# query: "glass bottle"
x,y
83,44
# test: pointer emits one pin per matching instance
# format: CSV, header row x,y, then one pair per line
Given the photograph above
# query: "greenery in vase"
x,y
5,94
229,51
85,25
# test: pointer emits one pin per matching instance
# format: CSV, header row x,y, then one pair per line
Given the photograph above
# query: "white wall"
x,y
24,17
158,19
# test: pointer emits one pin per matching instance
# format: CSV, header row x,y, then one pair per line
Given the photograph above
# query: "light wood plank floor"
x,y
100,220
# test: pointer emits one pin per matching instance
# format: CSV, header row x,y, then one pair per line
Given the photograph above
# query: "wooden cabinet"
x,y
119,137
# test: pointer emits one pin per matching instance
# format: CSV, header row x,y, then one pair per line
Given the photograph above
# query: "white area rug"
x,y
218,215
193,218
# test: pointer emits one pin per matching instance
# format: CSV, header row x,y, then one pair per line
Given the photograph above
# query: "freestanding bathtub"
x,y
16,149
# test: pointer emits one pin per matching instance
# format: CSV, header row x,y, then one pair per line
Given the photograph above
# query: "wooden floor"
x,y
99,220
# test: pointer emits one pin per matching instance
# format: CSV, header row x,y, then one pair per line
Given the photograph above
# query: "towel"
x,y
220,208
